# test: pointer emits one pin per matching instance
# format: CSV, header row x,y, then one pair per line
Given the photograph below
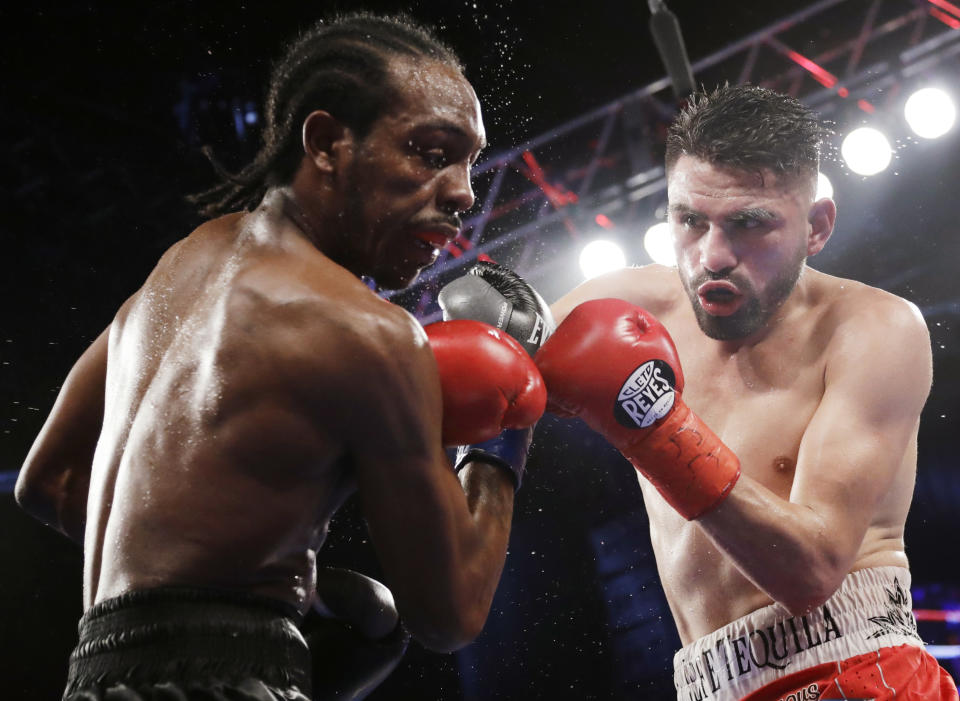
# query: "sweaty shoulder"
x,y
340,352
874,326
374,368
326,324
654,287
856,307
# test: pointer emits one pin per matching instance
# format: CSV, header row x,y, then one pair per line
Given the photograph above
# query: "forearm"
x,y
788,550
479,552
490,494
442,544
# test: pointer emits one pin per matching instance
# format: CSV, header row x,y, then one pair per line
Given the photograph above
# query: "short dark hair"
x,y
339,66
748,128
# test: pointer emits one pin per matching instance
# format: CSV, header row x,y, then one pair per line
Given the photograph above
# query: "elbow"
x,y
819,570
802,605
449,630
36,499
816,586
59,500
448,640
449,612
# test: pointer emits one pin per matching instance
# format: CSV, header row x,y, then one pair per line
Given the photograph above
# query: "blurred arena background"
x,y
105,110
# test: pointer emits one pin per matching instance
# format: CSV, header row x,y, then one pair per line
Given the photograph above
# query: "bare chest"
x,y
758,402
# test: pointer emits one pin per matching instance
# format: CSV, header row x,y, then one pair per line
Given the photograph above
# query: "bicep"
x,y
402,462
393,439
411,499
856,443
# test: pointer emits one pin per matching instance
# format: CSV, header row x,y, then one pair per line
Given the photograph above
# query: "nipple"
x,y
783,463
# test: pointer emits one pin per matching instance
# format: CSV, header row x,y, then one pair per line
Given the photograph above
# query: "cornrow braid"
x,y
338,66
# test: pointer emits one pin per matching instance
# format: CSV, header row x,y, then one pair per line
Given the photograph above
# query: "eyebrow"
x,y
683,209
451,129
758,213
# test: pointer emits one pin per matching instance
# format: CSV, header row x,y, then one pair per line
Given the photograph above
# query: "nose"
x,y
456,191
717,252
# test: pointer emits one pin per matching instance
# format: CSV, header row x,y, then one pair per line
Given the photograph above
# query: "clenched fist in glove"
x,y
615,366
498,296
487,380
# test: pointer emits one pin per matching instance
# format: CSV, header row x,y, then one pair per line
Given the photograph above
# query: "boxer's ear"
x,y
324,140
822,215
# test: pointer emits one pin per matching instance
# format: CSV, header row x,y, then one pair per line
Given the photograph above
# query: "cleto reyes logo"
x,y
646,396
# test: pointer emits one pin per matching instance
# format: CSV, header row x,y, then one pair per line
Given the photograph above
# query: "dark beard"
x,y
754,314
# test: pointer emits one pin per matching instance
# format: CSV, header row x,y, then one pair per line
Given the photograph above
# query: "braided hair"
x,y
338,66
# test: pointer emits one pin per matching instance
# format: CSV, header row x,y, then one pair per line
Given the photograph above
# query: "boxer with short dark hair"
x,y
773,428
201,445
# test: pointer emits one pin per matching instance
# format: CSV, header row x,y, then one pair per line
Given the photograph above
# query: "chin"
x,y
724,331
393,279
743,324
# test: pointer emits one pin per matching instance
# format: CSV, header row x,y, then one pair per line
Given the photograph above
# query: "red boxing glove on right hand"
x,y
615,366
489,381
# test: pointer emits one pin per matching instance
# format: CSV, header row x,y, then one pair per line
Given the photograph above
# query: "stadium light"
x,y
866,151
659,245
601,256
930,113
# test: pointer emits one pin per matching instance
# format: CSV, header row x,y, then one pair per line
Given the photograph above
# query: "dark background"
x,y
103,111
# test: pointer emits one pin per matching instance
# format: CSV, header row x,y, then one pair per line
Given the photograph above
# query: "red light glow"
x,y
948,6
951,22
819,73
604,221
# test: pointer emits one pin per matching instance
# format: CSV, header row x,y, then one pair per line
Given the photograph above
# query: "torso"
x,y
759,401
212,470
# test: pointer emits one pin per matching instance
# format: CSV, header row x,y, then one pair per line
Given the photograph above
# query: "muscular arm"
x,y
442,544
54,479
877,378
852,456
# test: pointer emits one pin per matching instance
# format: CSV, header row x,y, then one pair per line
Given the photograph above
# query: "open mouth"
x,y
719,298
432,240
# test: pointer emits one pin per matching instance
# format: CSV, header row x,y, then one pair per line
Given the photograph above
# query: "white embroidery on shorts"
x,y
732,658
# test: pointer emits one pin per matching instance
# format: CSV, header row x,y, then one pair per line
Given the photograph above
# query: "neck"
x,y
324,234
297,214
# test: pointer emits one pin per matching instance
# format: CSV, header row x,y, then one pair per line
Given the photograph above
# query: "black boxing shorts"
x,y
180,644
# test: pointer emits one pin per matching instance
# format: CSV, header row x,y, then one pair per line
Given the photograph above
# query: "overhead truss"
x,y
604,168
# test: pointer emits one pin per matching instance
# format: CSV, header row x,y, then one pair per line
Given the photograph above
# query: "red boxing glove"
x,y
615,366
489,381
